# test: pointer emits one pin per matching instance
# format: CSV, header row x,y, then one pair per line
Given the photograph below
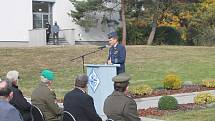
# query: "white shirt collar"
x,y
81,89
115,44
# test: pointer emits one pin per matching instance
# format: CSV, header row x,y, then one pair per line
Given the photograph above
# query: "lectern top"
x,y
102,65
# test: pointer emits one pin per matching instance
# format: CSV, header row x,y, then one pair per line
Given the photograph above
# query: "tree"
x,y
84,15
159,9
156,8
202,26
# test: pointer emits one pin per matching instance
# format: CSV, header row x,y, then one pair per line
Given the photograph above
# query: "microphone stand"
x,y
82,57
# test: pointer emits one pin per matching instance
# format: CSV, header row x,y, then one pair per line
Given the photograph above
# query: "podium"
x,y
100,83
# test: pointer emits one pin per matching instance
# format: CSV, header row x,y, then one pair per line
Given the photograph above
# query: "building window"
x,y
42,13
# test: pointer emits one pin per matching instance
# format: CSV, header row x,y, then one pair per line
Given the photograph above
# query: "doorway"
x,y
42,13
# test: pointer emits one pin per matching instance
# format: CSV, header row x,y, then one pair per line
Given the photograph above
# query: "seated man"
x,y
7,111
45,99
80,104
118,106
18,100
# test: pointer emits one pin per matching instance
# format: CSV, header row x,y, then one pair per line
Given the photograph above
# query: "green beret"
x,y
48,74
122,77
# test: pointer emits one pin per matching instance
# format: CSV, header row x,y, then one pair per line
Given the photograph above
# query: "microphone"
x,y
102,47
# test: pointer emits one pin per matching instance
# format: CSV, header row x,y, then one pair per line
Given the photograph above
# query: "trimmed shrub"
x,y
209,83
141,90
167,103
204,98
172,81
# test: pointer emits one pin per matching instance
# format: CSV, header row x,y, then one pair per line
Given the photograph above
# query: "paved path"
x,y
183,98
149,119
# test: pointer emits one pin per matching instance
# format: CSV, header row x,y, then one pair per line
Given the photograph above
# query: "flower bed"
x,y
184,89
181,107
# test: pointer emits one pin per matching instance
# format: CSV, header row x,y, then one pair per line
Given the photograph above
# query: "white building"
x,y
22,22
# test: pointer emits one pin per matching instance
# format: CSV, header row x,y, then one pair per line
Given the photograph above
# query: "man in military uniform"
x,y
117,52
45,99
118,106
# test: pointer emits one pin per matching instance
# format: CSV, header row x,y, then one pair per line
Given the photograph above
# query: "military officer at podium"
x,y
117,52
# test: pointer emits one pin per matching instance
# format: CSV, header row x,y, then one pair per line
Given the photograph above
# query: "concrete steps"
x,y
61,41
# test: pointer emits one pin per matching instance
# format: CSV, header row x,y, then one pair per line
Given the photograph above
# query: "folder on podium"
x,y
100,83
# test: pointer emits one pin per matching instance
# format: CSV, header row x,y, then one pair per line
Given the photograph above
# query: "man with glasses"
x,y
117,52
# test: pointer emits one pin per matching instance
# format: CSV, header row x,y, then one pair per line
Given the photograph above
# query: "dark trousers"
x,y
47,37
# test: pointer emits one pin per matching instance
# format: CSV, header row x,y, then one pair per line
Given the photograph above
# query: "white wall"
x,y
16,20
60,10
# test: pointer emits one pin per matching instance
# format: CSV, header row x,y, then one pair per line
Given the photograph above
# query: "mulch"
x,y
157,112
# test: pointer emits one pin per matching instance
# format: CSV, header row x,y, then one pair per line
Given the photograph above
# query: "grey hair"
x,y
12,76
43,79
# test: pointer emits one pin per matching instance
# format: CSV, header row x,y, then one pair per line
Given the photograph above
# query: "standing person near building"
x,y
117,52
7,111
118,106
45,99
18,100
48,31
79,103
55,32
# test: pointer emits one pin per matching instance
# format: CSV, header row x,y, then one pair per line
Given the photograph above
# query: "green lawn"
x,y
196,115
146,64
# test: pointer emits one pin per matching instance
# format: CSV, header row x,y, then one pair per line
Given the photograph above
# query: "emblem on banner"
x,y
93,80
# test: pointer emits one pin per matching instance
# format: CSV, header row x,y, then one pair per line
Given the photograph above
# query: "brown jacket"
x,y
45,99
120,107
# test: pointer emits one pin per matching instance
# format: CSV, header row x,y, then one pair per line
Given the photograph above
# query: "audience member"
x,y
45,99
118,106
7,111
80,104
18,100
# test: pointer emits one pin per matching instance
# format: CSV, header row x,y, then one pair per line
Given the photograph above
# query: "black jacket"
x,y
20,103
80,105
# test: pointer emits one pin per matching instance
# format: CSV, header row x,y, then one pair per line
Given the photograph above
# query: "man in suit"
x,y
80,104
117,52
18,100
45,99
7,111
118,106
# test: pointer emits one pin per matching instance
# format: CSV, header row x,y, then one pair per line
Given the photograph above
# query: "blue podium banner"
x,y
93,80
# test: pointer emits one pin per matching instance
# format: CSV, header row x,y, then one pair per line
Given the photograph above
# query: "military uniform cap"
x,y
122,77
112,34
